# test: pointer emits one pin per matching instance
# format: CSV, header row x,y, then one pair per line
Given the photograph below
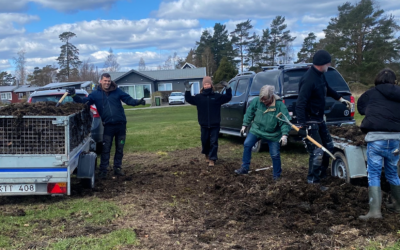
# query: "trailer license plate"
x,y
17,188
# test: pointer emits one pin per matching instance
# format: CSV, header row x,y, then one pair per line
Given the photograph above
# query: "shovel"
x,y
61,99
285,119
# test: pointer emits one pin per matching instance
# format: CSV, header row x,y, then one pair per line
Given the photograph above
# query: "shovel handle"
x,y
62,99
315,143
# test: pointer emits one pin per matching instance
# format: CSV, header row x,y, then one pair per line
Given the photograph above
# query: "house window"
x,y
6,96
137,91
21,95
164,86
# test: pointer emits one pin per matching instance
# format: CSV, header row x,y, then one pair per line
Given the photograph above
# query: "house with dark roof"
x,y
140,84
24,91
7,94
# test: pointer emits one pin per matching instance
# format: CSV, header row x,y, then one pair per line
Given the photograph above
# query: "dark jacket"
x,y
381,107
209,106
108,104
313,89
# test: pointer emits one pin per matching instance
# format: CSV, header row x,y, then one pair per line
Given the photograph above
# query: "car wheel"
x,y
257,147
340,167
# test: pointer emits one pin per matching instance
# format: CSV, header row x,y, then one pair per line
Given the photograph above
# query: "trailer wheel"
x,y
89,183
340,167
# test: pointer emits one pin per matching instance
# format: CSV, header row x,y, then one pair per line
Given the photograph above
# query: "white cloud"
x,y
59,5
4,65
239,9
7,21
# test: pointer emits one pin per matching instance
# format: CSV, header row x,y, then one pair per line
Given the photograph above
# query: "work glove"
x,y
70,91
243,131
283,140
303,132
142,101
225,84
188,86
345,102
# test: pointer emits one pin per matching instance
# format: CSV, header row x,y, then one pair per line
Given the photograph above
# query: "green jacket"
x,y
265,124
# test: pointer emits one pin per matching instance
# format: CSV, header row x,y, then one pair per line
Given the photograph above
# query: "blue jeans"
x,y
274,151
378,151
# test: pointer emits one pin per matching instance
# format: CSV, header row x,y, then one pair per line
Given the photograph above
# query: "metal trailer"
x,y
38,154
351,160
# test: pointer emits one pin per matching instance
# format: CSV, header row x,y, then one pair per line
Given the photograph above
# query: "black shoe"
x,y
241,171
119,172
103,175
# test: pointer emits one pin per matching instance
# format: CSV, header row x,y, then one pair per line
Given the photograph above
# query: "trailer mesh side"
x,y
31,136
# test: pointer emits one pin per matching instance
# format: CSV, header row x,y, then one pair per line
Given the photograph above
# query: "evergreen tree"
x,y
205,41
208,61
254,53
241,39
280,38
69,57
220,43
265,44
308,49
361,40
225,71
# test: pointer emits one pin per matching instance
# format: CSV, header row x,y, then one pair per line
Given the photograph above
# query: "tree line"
x,y
361,40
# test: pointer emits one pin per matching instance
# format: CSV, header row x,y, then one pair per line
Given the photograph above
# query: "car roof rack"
x,y
286,66
246,73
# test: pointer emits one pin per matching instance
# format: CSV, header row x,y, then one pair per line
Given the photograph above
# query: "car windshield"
x,y
176,94
269,77
53,98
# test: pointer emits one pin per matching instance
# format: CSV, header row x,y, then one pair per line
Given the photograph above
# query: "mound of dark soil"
x,y
179,199
350,133
41,108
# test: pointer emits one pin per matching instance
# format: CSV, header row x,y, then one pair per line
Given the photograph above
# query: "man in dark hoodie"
x,y
107,99
381,107
209,115
310,107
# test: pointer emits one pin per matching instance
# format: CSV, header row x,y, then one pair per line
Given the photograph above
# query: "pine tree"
x,y
361,40
69,57
225,71
308,49
241,39
279,38
205,41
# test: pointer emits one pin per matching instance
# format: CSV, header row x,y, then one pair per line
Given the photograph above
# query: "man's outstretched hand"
x,y
142,101
70,91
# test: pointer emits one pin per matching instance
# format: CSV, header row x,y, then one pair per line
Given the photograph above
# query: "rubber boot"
x,y
375,201
395,194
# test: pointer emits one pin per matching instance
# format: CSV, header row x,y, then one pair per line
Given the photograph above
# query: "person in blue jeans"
x,y
381,106
261,114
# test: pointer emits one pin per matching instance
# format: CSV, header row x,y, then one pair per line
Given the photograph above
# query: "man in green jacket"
x,y
262,112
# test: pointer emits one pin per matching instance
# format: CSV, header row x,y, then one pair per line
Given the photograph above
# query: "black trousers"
x,y
209,142
319,161
111,131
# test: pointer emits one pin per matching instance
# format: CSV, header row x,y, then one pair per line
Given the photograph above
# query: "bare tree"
x,y
208,61
111,64
20,69
142,64
88,72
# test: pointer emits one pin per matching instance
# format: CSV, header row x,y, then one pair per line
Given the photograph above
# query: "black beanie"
x,y
321,57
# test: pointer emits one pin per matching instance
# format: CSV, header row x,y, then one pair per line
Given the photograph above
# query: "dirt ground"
x,y
352,133
175,201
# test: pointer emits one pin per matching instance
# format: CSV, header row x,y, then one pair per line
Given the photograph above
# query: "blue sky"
x,y
150,29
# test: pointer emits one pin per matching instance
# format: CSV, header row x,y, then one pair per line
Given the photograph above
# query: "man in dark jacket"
x,y
107,99
209,115
310,107
381,107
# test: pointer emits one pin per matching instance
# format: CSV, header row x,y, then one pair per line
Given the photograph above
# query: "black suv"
x,y
285,78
